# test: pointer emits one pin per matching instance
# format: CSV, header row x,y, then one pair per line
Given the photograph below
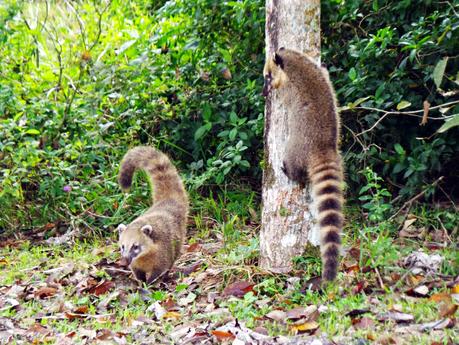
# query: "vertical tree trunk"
x,y
286,218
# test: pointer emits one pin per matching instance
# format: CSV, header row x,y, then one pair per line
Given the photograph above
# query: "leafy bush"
x,y
81,82
394,59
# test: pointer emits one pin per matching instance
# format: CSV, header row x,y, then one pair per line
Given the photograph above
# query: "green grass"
x,y
228,222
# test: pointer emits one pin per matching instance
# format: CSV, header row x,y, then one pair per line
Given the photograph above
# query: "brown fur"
x,y
152,242
312,144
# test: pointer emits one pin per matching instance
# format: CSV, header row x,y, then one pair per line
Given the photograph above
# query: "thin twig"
x,y
416,197
406,113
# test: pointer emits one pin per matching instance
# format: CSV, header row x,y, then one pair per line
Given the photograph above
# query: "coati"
x,y
312,145
152,242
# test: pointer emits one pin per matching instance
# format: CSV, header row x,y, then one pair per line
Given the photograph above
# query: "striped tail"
x,y
166,181
326,180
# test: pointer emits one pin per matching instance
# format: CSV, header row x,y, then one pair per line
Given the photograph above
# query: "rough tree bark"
x,y
286,218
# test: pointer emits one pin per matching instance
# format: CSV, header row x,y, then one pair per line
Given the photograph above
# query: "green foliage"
x,y
83,81
393,56
376,198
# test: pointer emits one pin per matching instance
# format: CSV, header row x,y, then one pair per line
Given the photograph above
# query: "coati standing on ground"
x,y
312,146
153,241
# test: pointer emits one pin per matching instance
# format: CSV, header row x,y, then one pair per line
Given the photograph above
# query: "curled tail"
x,y
166,181
326,180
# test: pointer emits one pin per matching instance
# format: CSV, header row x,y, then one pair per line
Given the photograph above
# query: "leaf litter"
x,y
195,301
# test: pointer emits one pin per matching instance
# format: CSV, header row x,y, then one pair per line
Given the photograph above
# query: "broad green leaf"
x,y
201,131
439,71
352,74
403,105
399,149
32,132
452,122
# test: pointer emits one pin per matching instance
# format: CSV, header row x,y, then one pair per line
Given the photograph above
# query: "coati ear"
x,y
278,60
147,230
121,228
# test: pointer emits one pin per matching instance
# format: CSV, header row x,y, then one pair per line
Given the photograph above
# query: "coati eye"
x,y
135,247
122,247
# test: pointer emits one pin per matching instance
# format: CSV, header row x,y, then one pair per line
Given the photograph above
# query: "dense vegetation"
x,y
83,81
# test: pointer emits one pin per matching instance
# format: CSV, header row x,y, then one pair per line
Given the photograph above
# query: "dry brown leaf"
x,y
396,316
309,313
222,335
363,323
101,288
45,292
195,247
277,315
81,309
104,334
425,115
440,297
447,309
238,289
36,328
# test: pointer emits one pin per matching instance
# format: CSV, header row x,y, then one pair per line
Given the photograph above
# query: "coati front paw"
x,y
140,275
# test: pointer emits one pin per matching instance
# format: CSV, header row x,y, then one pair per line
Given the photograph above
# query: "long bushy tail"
x,y
166,181
326,181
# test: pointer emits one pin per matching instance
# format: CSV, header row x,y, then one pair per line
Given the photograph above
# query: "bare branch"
x,y
414,113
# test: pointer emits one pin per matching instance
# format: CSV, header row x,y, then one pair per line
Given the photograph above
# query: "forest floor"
x,y
397,285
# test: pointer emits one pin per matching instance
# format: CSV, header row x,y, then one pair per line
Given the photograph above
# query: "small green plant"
x,y
376,197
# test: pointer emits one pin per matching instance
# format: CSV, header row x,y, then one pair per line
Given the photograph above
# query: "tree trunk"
x,y
286,219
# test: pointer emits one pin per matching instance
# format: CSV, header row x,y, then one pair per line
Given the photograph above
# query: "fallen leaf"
x,y
419,291
238,289
455,289
440,297
187,300
81,310
223,335
195,247
104,334
39,329
437,325
447,309
172,315
101,288
157,309
363,323
357,312
70,334
45,292
310,313
305,327
277,315
396,316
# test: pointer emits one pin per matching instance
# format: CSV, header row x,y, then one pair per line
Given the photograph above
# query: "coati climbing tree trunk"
x,y
286,218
